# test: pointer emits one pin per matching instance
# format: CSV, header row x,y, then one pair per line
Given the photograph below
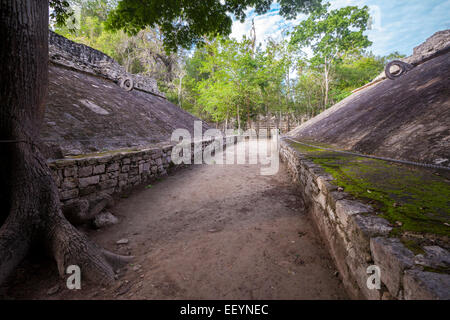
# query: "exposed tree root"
x,y
36,216
30,211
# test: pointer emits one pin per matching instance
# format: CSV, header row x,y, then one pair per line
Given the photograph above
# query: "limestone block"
x,y
84,171
99,169
347,208
108,184
69,183
361,228
71,171
434,257
113,167
84,182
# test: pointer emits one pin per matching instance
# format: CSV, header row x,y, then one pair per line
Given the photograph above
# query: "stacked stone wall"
x,y
93,178
357,238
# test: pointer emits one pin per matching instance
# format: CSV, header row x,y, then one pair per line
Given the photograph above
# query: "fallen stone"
x,y
105,219
97,205
347,208
434,257
137,267
122,241
393,258
372,225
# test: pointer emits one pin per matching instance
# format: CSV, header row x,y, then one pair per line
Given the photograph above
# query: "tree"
x,y
331,35
31,211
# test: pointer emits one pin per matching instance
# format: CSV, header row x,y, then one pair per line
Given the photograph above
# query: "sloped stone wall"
x,y
78,56
357,239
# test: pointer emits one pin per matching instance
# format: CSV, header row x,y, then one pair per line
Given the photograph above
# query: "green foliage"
x,y
186,22
60,12
332,35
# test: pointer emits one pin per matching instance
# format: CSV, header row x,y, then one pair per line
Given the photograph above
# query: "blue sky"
x,y
399,25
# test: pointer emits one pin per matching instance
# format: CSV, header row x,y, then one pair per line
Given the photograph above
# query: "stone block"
x,y
84,182
69,194
419,285
70,171
363,227
393,258
434,257
88,190
113,167
108,184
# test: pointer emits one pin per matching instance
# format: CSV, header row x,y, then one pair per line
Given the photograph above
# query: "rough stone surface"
x,y
84,182
105,219
420,285
434,257
122,241
393,258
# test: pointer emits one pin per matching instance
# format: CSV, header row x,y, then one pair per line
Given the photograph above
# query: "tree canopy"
x,y
331,35
185,22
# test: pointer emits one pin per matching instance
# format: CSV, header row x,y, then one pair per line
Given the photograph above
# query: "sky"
x,y
399,25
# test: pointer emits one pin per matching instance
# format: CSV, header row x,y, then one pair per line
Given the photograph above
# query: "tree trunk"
x,y
30,207
288,122
326,85
238,118
226,121
180,91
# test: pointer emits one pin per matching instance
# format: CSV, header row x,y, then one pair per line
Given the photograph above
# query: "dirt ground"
x,y
204,232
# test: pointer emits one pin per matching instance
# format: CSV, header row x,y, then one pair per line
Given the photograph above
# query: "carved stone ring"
x,y
126,83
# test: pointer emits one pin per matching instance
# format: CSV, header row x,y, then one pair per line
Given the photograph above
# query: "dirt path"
x,y
206,232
